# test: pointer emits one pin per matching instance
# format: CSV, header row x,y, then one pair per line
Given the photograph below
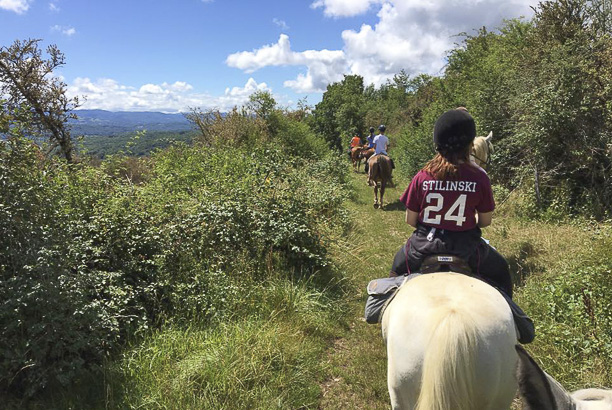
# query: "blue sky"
x,y
153,55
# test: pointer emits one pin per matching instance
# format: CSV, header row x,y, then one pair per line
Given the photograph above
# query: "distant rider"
x,y
381,144
355,142
370,138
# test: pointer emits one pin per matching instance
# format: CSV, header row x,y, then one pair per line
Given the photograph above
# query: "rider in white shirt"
x,y
381,144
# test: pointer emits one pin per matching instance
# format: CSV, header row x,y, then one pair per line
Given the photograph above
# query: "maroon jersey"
x,y
450,204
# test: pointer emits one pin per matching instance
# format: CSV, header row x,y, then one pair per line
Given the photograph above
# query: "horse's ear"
x,y
537,389
488,138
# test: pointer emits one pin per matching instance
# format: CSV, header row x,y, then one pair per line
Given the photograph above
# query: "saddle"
x,y
382,291
445,263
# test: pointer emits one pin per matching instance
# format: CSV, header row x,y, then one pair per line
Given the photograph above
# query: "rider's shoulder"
x,y
474,167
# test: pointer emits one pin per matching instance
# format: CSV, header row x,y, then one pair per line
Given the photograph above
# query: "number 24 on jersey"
x,y
456,213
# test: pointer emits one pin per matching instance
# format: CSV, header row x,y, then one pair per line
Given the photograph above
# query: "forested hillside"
x,y
136,144
224,274
108,123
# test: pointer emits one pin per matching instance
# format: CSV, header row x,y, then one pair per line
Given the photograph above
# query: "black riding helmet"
x,y
382,128
371,129
454,130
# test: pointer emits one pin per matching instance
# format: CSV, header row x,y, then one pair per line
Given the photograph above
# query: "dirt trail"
x,y
357,362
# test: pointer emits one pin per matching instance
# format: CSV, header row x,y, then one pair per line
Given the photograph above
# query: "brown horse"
x,y
356,157
482,151
366,154
379,176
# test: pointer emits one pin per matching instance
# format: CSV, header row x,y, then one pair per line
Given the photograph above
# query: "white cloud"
x,y
344,8
108,94
323,66
414,35
410,35
280,23
18,6
65,30
54,7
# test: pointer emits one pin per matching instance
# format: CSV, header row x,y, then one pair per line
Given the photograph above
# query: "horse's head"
x,y
367,152
482,150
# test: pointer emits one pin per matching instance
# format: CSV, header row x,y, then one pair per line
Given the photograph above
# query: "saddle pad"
x,y
380,294
383,286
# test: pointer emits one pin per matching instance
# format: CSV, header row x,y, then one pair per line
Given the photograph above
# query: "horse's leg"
x,y
371,174
383,183
376,204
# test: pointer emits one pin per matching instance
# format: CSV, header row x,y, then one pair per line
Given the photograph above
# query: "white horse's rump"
x,y
450,345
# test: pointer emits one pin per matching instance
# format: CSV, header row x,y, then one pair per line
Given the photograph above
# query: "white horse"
x,y
450,345
482,150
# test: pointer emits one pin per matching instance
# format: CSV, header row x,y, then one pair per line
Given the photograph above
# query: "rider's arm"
x,y
484,218
412,218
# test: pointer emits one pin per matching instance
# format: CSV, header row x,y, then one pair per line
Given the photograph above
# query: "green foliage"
x,y
235,128
298,140
47,314
91,258
340,114
101,146
572,313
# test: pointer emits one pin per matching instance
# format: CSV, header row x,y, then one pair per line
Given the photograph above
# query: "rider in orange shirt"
x,y
355,142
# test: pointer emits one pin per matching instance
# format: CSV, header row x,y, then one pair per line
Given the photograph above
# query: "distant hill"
x,y
108,123
103,145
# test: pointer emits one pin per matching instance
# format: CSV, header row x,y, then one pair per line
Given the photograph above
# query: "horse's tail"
x,y
449,364
374,169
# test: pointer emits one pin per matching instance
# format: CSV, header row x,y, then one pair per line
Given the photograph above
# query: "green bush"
x,y
572,316
50,325
90,259
299,140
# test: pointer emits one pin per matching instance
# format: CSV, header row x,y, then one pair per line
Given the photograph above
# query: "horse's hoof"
x,y
375,206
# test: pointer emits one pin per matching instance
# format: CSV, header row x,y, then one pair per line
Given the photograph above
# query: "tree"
x,y
262,106
341,111
34,98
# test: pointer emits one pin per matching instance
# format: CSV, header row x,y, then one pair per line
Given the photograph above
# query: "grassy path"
x,y
357,362
539,253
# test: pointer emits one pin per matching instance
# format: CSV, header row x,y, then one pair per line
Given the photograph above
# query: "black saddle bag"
x,y
380,293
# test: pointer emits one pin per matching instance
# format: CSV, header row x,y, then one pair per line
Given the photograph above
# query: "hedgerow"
x,y
89,259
